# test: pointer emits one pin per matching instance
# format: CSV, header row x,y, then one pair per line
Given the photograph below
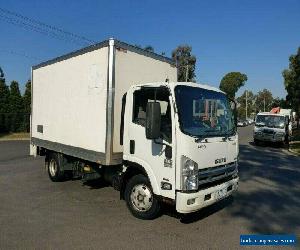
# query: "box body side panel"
x,y
131,69
69,101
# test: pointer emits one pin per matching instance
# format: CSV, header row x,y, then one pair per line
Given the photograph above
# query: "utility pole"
x,y
246,104
264,103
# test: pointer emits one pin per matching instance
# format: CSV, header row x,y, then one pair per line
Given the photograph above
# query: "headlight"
x,y
189,173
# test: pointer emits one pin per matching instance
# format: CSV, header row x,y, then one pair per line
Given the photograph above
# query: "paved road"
x,y
36,213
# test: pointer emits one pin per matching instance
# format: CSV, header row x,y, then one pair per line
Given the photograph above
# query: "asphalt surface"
x,y
37,213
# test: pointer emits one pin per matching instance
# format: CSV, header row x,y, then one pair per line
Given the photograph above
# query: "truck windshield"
x,y
204,112
271,121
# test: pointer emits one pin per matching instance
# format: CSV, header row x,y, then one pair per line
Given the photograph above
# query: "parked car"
x,y
271,127
242,123
250,121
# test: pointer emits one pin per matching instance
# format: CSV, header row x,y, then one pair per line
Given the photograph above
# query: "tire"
x,y
256,142
54,168
140,199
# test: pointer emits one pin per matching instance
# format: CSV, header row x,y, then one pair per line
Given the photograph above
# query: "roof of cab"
x,y
174,84
268,113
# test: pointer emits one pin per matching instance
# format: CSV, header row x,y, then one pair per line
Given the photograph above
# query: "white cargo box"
x,y
76,98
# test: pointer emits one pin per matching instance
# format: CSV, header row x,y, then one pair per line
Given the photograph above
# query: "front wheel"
x,y
140,198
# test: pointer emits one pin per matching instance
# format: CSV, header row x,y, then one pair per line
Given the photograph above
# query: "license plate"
x,y
220,194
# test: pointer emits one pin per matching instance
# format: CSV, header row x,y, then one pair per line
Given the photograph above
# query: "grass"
x,y
295,147
296,135
15,136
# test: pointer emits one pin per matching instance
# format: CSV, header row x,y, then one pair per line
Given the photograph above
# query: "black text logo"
x,y
221,160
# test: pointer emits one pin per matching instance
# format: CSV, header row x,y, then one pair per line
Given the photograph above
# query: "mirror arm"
x,y
235,110
160,143
168,153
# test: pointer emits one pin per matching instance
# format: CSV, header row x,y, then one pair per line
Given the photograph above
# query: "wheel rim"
x,y
52,167
141,198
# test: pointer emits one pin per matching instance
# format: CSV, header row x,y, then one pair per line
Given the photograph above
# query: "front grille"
x,y
219,174
267,131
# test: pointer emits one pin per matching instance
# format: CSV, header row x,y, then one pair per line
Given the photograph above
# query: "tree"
x,y
186,63
231,83
27,106
16,107
292,81
264,100
280,102
149,48
2,75
251,107
4,104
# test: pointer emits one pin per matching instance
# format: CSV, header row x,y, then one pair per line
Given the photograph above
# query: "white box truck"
x,y
115,112
270,127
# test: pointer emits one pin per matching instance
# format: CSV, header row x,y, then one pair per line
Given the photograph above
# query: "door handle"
x,y
132,146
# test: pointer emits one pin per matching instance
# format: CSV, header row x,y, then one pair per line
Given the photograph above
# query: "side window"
x,y
140,101
142,97
122,118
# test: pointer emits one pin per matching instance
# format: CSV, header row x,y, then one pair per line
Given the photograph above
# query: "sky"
x,y
250,36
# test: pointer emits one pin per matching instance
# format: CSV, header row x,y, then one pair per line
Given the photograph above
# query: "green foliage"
x,y
186,63
16,108
27,97
251,106
1,75
264,101
149,48
231,83
280,102
292,81
4,104
27,105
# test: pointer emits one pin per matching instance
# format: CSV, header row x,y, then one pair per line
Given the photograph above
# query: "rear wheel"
x,y
54,169
140,198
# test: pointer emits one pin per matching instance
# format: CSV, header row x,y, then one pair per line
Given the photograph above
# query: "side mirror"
x,y
153,120
234,110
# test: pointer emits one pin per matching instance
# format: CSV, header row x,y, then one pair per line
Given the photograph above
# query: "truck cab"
x,y
271,127
183,136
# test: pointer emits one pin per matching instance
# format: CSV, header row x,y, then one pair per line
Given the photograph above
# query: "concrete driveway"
x,y
36,213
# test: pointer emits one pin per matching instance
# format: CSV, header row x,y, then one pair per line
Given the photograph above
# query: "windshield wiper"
x,y
230,132
200,138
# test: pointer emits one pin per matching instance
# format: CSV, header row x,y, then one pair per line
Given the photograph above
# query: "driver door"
x,y
150,154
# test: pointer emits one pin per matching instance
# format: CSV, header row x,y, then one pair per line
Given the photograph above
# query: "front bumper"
x,y
269,137
185,204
